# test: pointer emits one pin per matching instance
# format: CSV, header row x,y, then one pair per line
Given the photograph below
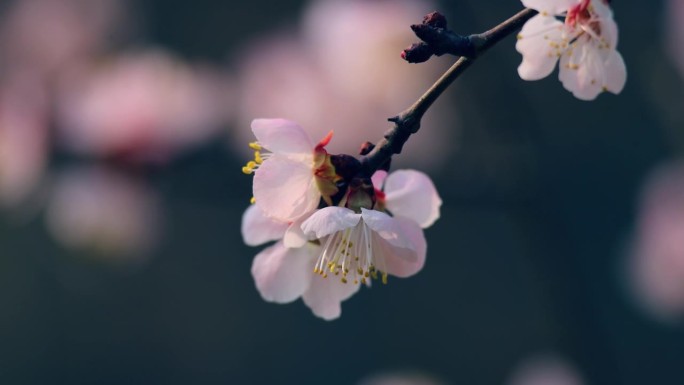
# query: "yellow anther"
x,y
366,274
363,281
344,280
247,170
356,282
384,278
252,200
258,158
255,146
252,164
325,275
359,270
315,270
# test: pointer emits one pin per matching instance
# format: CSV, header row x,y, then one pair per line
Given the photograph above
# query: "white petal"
x,y
582,71
282,136
540,42
257,228
411,194
402,262
553,7
282,275
609,32
329,220
285,189
386,227
294,236
616,73
325,295
378,179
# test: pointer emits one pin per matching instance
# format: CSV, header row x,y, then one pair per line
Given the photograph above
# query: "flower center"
x,y
352,255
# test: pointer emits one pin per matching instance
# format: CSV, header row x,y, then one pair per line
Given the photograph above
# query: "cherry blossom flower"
x,y
344,246
291,179
585,43
143,107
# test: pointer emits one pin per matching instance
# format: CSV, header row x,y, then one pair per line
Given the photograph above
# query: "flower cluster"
x,y
583,36
335,230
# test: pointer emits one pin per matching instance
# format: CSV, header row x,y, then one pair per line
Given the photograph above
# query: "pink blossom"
x,y
144,107
291,179
656,263
344,247
585,43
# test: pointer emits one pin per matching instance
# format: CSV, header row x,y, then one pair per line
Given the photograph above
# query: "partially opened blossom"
x,y
326,256
292,177
585,43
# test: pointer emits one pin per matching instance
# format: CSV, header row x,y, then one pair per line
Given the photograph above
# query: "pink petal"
x,y
325,295
553,7
539,42
386,227
282,275
282,136
294,236
285,189
411,194
329,220
616,73
403,262
257,228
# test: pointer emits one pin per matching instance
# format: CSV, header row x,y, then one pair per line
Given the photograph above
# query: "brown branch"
x,y
408,121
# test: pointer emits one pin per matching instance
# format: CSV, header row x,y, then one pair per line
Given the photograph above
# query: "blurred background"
x,y
558,260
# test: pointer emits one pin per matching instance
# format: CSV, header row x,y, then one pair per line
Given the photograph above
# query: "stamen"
x,y
352,255
252,200
255,146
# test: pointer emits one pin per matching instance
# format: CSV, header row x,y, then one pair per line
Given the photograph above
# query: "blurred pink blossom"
x,y
143,107
103,213
545,370
23,138
342,71
42,35
657,256
674,14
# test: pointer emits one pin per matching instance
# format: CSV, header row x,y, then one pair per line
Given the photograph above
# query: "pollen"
x,y
252,200
255,146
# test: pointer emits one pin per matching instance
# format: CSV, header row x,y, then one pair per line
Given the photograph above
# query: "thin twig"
x,y
408,121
